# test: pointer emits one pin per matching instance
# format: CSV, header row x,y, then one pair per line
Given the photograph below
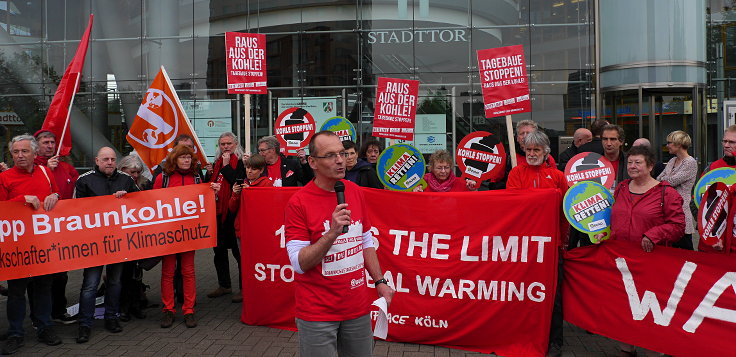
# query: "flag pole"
x,y
186,119
68,115
246,116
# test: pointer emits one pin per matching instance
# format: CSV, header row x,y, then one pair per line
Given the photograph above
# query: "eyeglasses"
x,y
729,142
263,150
442,168
332,155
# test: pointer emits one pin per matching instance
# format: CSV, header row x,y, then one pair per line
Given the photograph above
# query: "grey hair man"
x,y
34,186
580,137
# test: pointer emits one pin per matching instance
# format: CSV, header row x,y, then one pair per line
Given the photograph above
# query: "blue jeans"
x,y
16,307
89,291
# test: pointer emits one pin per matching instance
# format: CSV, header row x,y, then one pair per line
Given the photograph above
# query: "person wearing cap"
x,y
66,177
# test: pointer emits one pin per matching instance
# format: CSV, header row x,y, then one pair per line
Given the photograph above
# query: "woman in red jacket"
x,y
646,212
440,177
179,170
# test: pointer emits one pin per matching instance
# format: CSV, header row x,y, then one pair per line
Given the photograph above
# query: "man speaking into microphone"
x,y
332,297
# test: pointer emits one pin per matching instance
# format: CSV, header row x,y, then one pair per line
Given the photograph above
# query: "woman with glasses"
x,y
681,172
441,177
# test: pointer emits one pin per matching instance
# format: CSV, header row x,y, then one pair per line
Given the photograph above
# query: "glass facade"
x,y
333,49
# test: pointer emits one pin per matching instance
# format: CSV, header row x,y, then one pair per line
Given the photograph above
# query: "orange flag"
x,y
160,119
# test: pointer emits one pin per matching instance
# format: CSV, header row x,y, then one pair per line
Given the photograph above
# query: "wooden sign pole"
x,y
246,116
512,142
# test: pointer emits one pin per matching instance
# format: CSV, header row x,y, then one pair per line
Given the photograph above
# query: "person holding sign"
x,y
539,172
103,180
681,172
523,128
332,296
35,186
646,212
179,169
440,177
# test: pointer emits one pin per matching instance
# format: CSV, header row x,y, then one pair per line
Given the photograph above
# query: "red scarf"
x,y
226,188
438,186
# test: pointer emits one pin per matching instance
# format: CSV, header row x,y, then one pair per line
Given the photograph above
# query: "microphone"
x,y
340,192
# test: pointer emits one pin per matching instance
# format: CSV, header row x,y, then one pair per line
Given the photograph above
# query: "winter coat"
x,y
364,175
542,176
656,214
94,183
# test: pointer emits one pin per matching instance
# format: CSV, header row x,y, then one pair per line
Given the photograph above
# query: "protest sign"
x,y
481,156
340,126
294,129
726,175
590,166
713,214
401,167
396,108
245,63
482,284
587,206
503,81
86,232
674,301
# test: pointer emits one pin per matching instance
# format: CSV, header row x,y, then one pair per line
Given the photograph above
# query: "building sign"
x,y
246,63
418,36
396,108
503,81
10,118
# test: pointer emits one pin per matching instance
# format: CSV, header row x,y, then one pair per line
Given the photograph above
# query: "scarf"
x,y
226,188
438,186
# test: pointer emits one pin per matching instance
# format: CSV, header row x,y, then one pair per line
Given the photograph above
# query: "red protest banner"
x,y
503,81
674,301
396,108
245,63
86,232
294,129
483,285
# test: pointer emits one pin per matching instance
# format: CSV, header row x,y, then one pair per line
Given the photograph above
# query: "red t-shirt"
x,y
335,289
16,183
615,165
274,172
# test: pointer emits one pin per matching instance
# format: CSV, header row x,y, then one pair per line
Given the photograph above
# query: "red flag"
x,y
57,118
160,119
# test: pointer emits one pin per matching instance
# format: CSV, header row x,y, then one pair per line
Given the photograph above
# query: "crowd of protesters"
x,y
39,177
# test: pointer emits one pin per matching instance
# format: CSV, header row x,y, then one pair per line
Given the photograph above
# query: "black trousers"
x,y
58,294
225,242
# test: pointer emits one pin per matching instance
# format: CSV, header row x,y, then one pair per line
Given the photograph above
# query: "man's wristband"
x,y
380,281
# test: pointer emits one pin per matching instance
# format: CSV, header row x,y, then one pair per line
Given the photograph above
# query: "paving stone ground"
x,y
220,332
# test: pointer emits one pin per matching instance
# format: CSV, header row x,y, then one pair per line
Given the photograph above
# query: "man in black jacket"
x,y
103,180
283,171
581,136
596,145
